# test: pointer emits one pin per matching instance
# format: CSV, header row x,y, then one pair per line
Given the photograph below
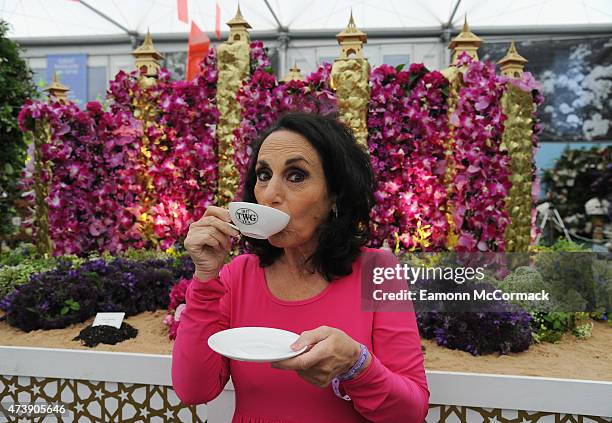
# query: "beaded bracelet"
x,y
350,374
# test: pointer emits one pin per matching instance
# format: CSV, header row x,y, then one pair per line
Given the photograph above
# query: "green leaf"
x,y
399,68
414,77
75,306
64,311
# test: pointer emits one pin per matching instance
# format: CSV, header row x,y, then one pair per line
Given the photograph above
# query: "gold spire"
x,y
146,56
238,20
466,27
294,74
147,47
466,41
57,89
512,63
351,40
238,28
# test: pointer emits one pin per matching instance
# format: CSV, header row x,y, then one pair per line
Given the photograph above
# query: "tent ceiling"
x,y
71,18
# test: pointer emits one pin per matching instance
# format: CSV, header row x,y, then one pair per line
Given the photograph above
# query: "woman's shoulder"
x,y
370,250
376,252
377,256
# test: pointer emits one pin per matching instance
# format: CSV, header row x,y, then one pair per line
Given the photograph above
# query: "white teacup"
x,y
257,221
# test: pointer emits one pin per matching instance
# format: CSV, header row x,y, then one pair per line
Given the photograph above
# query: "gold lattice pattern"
x,y
99,402
459,414
108,402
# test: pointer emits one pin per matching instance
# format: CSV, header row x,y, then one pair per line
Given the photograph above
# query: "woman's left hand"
x,y
333,352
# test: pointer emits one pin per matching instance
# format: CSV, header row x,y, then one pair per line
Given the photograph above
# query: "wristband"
x,y
351,373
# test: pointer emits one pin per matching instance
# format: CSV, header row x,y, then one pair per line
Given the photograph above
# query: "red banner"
x,y
198,47
183,13
218,20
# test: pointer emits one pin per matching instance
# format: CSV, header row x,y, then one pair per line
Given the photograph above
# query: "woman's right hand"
x,y
208,242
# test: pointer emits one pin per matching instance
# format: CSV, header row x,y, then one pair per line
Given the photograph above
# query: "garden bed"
x,y
589,359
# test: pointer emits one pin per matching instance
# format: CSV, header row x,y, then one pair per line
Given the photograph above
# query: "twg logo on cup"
x,y
247,216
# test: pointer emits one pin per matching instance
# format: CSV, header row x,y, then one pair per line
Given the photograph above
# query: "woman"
x,y
360,366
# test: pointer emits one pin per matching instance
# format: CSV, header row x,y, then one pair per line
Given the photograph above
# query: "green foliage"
x,y
583,327
15,87
13,276
580,284
135,254
70,305
17,265
526,279
17,255
583,331
550,327
561,244
602,274
568,270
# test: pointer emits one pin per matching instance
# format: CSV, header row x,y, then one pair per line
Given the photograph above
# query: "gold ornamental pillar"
x,y
467,42
147,59
56,90
41,136
518,107
233,64
351,79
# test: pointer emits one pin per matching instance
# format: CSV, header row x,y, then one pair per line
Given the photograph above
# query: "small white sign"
x,y
109,319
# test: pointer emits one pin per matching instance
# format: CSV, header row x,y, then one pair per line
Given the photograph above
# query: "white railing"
x,y
468,390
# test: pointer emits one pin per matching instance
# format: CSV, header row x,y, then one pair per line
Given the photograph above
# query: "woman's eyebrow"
x,y
295,159
263,163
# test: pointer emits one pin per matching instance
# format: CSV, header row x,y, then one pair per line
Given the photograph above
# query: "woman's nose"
x,y
272,193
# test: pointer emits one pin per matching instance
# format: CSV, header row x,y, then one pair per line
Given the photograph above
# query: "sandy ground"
x,y
152,336
572,358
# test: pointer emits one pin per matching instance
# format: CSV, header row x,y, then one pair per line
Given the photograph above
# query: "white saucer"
x,y
257,344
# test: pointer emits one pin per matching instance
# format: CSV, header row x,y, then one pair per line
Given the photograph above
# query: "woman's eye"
x,y
296,176
263,175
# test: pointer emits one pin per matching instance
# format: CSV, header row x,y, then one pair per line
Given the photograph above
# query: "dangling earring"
x,y
335,211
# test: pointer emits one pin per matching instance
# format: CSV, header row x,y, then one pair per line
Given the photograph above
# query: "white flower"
x,y
595,127
565,108
573,120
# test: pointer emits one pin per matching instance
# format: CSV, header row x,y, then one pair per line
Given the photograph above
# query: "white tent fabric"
x,y
72,18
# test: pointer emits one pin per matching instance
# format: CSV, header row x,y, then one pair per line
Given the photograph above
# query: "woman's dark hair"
x,y
349,177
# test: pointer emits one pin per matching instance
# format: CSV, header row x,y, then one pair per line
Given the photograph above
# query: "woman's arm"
x,y
198,373
393,388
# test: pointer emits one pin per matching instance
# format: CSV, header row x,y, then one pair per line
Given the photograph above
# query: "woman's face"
x,y
290,178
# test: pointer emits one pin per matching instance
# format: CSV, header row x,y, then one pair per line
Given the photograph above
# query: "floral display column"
x,y
351,80
42,170
233,62
466,42
146,60
518,106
